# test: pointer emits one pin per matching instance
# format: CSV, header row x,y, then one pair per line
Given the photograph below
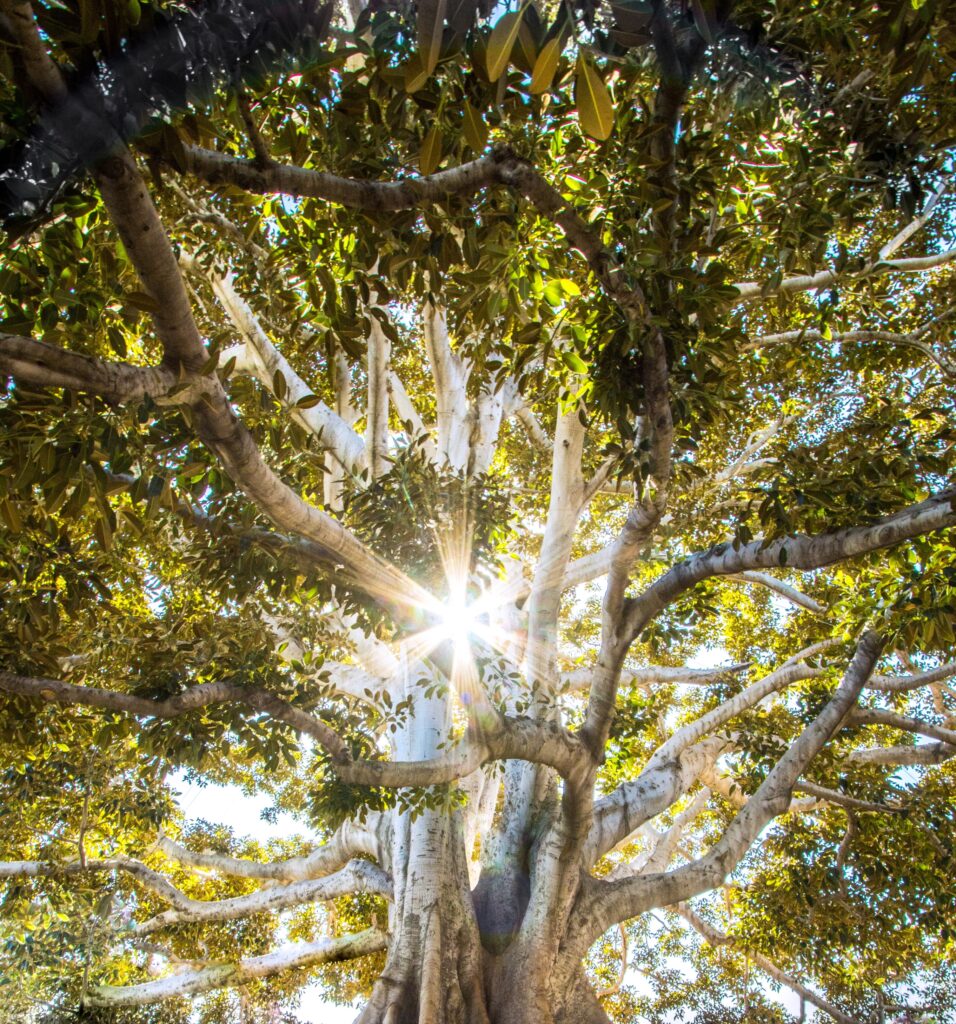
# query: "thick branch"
x,y
523,739
45,365
797,552
356,876
620,901
55,691
185,983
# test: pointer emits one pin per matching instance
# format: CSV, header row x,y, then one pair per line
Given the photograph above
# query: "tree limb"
x,y
356,876
184,983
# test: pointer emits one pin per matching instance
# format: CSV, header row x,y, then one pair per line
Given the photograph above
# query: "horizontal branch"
x,y
832,796
751,290
41,364
206,979
920,753
371,196
801,551
58,692
153,880
356,876
580,678
520,739
900,684
349,840
877,716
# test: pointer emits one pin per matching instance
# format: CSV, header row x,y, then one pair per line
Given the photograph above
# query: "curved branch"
x,y
619,901
348,841
356,876
901,684
185,983
56,691
791,594
717,938
876,716
520,739
803,551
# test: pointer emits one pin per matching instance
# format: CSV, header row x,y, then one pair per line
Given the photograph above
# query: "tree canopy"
x,y
517,440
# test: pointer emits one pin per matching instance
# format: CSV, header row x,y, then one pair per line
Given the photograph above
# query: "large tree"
x,y
521,445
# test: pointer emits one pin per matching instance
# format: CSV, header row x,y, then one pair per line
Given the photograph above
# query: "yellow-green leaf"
x,y
501,43
595,110
11,515
431,26
546,65
416,74
475,129
430,156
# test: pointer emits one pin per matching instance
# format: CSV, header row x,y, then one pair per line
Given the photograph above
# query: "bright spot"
x,y
458,622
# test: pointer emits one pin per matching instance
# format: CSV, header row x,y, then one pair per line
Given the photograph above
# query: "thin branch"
x,y
750,291
791,594
717,938
153,880
349,840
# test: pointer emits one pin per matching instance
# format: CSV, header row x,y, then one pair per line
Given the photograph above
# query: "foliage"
x,y
131,560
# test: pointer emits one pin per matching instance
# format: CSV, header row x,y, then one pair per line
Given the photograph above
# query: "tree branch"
x,y
55,691
717,938
348,841
797,552
356,876
613,902
184,983
39,363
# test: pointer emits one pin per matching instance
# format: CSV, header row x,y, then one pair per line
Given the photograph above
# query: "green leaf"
x,y
416,74
595,110
279,387
308,402
431,26
11,516
430,156
475,129
574,362
502,41
546,65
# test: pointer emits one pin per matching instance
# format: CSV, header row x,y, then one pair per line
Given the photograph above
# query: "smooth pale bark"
x,y
450,373
334,433
357,876
207,979
348,841
376,407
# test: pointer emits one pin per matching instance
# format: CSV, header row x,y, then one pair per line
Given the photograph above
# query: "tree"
x,y
402,403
